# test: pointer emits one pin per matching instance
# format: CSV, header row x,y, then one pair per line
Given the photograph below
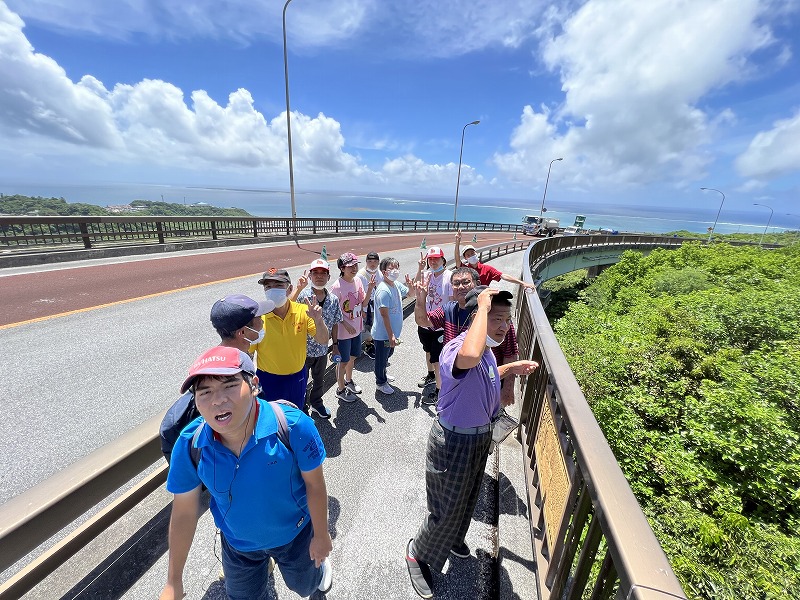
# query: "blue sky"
x,y
645,101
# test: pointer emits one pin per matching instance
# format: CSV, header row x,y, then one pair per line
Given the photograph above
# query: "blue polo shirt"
x,y
262,503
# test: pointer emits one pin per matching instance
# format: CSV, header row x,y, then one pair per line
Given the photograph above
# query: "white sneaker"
x,y
386,388
389,378
327,577
353,387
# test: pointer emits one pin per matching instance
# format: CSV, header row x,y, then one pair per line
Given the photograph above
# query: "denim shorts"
x,y
350,348
246,576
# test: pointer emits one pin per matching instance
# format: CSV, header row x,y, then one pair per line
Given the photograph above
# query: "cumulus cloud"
x,y
773,153
151,122
413,171
633,74
37,97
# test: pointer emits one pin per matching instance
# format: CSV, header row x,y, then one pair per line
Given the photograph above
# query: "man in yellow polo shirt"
x,y
281,353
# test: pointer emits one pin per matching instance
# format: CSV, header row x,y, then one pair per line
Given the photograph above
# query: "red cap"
x,y
220,360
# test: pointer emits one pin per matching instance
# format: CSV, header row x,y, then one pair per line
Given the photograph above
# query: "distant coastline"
x,y
18,205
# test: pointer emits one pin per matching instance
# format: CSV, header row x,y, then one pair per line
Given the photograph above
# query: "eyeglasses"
x,y
461,283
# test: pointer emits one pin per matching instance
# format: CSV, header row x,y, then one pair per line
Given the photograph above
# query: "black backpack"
x,y
178,416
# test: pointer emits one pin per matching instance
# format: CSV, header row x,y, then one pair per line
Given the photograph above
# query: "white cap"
x,y
319,264
467,247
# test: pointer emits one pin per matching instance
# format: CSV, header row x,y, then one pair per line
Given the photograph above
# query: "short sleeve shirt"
x,y
283,349
487,273
387,296
331,314
350,295
471,398
439,290
267,474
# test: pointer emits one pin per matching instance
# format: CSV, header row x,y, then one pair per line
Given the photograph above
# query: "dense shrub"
x,y
690,359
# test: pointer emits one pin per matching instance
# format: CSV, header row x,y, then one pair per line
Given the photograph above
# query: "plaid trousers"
x,y
453,473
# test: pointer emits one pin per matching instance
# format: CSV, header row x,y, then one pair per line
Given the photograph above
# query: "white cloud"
x,y
151,122
633,73
37,97
773,153
412,171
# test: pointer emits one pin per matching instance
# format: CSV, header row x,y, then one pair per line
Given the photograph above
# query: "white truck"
x,y
540,226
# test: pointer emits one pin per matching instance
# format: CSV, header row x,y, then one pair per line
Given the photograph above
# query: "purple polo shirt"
x,y
472,398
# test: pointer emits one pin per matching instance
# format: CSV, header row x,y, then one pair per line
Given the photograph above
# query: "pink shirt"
x,y
350,295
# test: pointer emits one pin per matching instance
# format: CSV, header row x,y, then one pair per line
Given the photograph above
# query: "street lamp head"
x,y
474,122
560,158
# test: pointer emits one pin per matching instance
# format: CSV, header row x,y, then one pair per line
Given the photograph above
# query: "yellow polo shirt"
x,y
283,349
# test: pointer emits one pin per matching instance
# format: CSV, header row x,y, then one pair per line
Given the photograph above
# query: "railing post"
x,y
213,230
255,228
87,243
160,231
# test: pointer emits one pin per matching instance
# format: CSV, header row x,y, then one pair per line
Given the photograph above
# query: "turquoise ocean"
x,y
277,203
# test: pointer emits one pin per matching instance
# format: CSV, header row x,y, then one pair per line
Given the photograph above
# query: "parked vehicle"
x,y
541,226
571,230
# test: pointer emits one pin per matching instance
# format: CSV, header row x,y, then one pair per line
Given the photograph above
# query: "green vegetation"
x,y
772,237
690,359
38,206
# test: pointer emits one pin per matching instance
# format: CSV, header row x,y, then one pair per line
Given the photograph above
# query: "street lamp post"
x,y
289,121
541,210
460,155
771,212
713,227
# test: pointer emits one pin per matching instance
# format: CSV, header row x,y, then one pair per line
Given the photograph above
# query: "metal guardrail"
x,y
31,518
93,232
589,535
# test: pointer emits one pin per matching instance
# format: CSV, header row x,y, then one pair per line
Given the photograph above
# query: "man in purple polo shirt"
x,y
460,437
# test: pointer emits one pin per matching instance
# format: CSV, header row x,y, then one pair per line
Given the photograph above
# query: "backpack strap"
x,y
280,417
194,451
283,426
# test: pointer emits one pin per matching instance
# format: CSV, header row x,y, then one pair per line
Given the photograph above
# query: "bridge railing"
x,y
133,461
94,232
589,535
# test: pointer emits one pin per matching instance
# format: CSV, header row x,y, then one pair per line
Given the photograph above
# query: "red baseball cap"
x,y
435,252
219,360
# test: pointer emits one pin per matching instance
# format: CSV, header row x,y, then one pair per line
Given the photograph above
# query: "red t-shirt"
x,y
487,274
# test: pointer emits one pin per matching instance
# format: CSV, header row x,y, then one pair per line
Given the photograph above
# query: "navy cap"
x,y
235,311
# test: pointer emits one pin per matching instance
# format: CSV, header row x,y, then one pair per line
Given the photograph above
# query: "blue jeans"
x,y
382,353
246,574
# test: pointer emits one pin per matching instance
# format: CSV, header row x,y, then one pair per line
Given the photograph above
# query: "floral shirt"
x,y
331,314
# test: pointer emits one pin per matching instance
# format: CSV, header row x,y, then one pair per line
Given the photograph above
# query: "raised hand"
x,y
314,309
458,235
302,281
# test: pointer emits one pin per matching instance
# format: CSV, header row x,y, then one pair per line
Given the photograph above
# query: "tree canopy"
x,y
39,206
690,360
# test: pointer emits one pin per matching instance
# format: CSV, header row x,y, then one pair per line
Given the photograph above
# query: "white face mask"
x,y
317,287
372,271
393,274
491,342
473,260
259,335
277,295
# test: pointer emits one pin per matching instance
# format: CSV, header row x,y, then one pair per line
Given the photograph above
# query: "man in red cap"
x,y
268,493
